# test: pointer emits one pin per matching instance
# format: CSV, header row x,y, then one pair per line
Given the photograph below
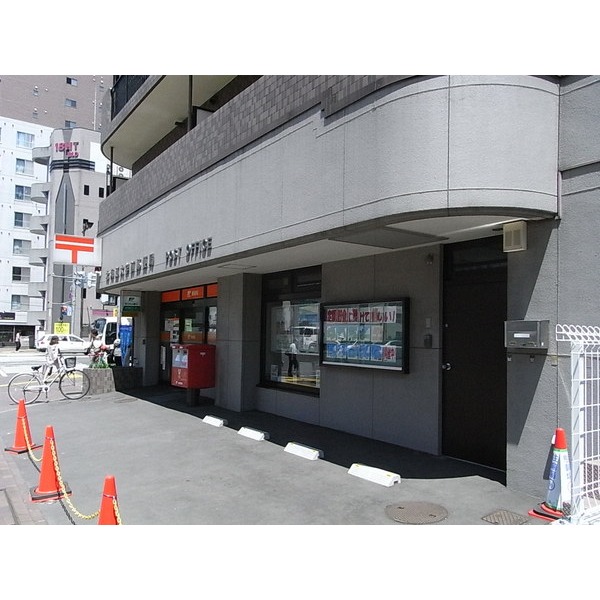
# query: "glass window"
x,y
25,140
71,81
20,274
86,190
70,124
24,167
22,192
22,219
21,246
101,192
292,329
192,325
70,103
16,302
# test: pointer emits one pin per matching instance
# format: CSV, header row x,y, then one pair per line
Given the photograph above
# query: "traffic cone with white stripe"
x,y
558,498
108,507
22,433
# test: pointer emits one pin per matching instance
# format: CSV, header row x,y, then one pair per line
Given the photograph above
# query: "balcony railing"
x,y
123,89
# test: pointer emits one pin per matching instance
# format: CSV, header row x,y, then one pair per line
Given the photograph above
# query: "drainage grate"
x,y
505,517
124,400
416,513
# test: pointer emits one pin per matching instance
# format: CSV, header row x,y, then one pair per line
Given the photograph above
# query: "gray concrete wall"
x,y
402,409
238,341
555,279
532,408
146,338
440,145
579,123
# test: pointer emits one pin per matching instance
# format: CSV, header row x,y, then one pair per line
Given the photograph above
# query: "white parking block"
x,y
253,434
303,451
375,475
215,421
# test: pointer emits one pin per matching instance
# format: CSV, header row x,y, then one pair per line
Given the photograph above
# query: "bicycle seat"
x,y
36,368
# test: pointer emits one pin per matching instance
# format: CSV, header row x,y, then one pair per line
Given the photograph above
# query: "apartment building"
x,y
416,238
37,111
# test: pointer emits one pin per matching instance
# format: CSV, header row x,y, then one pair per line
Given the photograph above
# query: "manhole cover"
x,y
505,517
416,513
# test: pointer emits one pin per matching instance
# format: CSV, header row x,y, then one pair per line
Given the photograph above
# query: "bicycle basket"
x,y
70,362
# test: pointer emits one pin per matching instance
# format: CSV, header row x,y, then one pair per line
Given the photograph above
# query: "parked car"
x,y
66,343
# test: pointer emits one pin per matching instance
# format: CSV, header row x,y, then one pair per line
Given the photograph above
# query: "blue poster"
x,y
126,337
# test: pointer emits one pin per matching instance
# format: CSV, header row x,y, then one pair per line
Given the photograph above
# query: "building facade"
x,y
75,184
31,107
20,235
408,235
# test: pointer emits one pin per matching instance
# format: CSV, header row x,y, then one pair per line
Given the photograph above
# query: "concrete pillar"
x,y
238,341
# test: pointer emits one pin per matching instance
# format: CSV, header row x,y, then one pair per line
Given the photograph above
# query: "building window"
x,y
101,192
86,190
24,167
20,274
25,140
21,246
70,124
71,81
292,329
18,303
70,103
22,192
22,220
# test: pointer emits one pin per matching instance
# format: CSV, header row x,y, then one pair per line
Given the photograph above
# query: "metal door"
x,y
474,357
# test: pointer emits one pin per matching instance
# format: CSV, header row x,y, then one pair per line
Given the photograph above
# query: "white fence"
x,y
585,421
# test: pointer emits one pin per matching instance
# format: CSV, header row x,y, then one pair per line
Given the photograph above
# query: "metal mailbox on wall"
x,y
193,366
526,335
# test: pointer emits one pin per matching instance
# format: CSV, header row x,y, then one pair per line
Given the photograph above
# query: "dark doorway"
x,y
474,357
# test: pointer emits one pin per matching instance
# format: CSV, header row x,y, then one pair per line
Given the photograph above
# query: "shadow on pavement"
x,y
338,447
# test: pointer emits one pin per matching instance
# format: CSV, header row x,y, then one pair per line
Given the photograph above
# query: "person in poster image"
x,y
292,355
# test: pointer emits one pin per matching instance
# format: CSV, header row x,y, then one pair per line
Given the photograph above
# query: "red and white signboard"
x,y
77,250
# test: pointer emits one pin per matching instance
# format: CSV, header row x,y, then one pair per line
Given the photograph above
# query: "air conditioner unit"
x,y
515,236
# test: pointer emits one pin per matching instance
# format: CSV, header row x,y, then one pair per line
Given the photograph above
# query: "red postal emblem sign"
x,y
77,250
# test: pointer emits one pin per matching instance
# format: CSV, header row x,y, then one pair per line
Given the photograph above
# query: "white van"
x,y
306,338
108,329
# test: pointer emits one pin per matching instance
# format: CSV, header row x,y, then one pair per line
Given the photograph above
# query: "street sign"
x,y
62,328
77,250
131,303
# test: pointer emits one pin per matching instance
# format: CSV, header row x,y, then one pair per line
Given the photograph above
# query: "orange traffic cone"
x,y
49,487
22,433
558,498
108,514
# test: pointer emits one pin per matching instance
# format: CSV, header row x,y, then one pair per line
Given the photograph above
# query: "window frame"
x,y
29,143
26,164
299,286
23,197
26,221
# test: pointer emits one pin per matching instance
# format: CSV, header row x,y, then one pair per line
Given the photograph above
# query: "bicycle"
x,y
73,383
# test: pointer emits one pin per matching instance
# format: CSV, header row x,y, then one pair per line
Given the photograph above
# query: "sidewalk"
x,y
172,468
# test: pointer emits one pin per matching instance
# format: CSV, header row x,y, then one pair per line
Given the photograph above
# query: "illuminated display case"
x,y
366,334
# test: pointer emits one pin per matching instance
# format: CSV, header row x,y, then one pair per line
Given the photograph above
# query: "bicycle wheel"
x,y
74,384
24,386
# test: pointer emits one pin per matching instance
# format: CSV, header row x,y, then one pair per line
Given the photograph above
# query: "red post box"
x,y
193,366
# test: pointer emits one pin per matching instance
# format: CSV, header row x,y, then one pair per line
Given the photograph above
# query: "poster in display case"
x,y
367,334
